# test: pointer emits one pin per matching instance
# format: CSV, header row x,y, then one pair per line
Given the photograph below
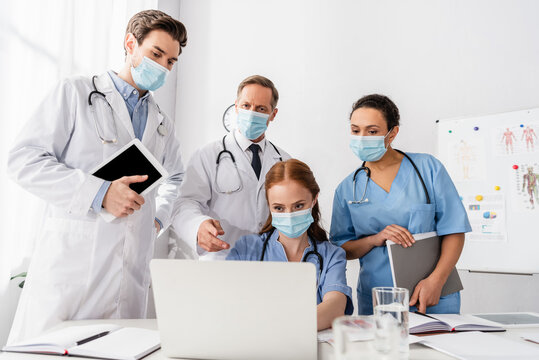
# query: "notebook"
x,y
132,159
106,341
481,346
411,265
421,323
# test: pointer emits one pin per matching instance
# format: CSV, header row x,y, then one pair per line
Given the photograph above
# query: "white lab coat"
x,y
240,213
83,267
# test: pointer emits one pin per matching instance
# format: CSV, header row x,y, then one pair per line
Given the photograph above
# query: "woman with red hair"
x,y
293,233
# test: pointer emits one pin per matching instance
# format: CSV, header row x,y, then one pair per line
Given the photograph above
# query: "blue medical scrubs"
x,y
404,205
332,277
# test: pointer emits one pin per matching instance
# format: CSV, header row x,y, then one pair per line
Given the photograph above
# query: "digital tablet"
x,y
513,319
132,159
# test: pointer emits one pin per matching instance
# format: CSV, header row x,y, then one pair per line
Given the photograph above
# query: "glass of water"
x,y
390,305
353,337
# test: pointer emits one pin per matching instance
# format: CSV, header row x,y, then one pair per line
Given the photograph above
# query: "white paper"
x,y
487,216
517,139
67,337
480,346
466,160
327,336
126,343
533,337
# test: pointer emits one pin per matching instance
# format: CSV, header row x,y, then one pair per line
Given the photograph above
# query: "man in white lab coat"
x,y
223,195
84,267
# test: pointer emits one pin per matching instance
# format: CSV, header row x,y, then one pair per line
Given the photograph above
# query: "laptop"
x,y
235,309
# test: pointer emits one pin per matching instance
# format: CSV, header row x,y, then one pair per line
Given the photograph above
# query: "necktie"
x,y
256,163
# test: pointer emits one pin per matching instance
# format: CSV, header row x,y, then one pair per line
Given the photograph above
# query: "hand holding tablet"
x,y
120,200
132,166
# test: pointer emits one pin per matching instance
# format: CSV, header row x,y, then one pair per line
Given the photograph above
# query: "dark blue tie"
x,y
255,163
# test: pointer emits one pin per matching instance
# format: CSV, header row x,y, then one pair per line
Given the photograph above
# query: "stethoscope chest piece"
x,y
162,130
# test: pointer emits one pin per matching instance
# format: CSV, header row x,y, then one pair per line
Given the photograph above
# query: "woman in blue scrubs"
x,y
392,205
293,233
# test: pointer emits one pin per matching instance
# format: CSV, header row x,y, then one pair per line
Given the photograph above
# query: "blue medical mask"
x,y
149,75
368,148
293,224
252,124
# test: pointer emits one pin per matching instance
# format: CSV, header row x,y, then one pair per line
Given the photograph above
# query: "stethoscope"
x,y
368,172
229,153
304,259
161,129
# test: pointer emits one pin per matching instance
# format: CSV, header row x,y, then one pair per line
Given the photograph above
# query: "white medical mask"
x,y
369,148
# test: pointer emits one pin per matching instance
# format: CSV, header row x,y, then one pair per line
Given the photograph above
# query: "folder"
x,y
412,264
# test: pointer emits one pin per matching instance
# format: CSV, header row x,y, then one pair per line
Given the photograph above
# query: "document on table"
x,y
327,336
532,337
481,346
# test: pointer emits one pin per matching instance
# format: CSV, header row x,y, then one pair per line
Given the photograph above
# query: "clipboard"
x,y
132,159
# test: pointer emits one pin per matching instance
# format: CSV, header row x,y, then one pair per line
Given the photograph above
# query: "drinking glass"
x,y
390,305
354,338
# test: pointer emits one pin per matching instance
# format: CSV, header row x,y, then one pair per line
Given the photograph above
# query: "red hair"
x,y
299,172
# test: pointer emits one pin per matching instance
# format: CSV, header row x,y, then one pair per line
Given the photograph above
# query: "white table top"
x,y
325,351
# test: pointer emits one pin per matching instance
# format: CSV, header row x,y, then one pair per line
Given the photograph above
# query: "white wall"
x,y
435,59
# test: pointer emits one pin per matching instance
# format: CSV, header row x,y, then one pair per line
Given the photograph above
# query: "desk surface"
x,y
325,351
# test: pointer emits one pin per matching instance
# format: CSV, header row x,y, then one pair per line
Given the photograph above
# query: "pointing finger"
x,y
135,179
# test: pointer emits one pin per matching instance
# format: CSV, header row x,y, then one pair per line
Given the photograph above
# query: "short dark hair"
x,y
262,81
381,103
142,23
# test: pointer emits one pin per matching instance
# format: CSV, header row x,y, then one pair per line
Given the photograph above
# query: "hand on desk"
x,y
120,200
207,236
427,293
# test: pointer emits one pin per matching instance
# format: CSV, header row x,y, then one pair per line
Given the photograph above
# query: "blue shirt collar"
x,y
275,236
126,90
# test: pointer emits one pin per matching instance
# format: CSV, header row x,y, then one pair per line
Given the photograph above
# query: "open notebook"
x,y
421,323
106,341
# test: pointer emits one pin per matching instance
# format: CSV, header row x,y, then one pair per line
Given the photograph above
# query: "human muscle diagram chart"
x,y
530,137
494,163
525,186
467,159
516,140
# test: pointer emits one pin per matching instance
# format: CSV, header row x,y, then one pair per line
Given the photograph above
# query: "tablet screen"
x,y
129,162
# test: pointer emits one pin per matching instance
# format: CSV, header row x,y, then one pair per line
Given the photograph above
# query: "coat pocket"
x,y
69,250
